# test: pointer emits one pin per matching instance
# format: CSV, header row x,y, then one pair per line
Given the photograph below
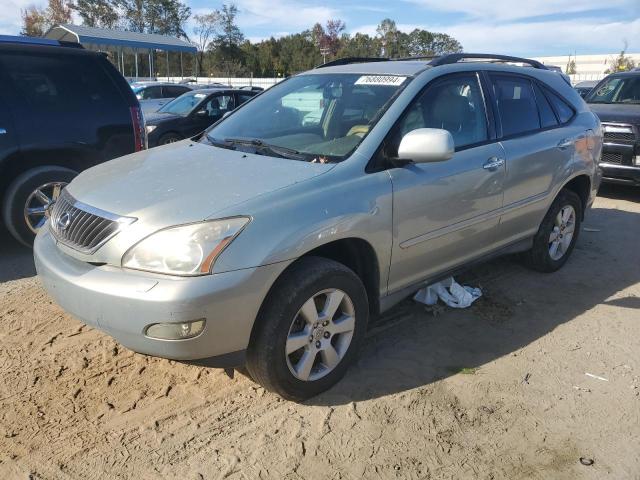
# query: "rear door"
x,y
446,213
538,146
9,145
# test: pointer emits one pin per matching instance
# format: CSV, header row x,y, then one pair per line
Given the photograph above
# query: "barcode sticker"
x,y
392,80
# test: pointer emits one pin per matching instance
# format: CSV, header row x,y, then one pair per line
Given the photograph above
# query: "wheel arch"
x,y
353,252
581,186
22,161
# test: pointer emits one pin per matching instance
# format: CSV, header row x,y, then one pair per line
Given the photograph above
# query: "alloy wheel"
x,y
562,232
37,208
320,334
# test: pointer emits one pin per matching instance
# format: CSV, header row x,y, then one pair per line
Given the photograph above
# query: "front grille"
x,y
608,157
82,227
621,136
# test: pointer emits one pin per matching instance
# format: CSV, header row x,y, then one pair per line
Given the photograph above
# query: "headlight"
x,y
150,128
184,250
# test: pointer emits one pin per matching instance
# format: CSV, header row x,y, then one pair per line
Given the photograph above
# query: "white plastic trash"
x,y
450,292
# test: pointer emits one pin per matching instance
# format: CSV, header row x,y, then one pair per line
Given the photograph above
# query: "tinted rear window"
x,y
516,105
61,83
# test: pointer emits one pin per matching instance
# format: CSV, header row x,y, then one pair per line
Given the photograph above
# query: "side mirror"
x,y
425,145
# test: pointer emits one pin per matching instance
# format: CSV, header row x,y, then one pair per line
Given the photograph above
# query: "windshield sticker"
x,y
392,80
199,95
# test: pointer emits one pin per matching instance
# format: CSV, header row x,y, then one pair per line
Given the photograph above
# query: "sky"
x,y
513,27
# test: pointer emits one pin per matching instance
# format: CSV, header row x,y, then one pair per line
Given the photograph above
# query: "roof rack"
x,y
348,60
456,57
437,61
37,41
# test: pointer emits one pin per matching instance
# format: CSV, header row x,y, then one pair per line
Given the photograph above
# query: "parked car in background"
x,y
616,100
192,113
62,109
271,242
584,88
153,95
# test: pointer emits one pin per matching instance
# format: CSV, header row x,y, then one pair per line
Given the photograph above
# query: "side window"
x,y
173,92
219,105
151,93
454,104
243,97
547,117
516,105
564,111
61,83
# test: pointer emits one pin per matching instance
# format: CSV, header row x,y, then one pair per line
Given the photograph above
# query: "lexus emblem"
x,y
64,221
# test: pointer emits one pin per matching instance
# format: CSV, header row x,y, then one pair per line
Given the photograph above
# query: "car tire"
x,y
557,234
22,190
168,138
288,344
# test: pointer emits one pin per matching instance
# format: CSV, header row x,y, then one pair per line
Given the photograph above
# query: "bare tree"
x,y
207,28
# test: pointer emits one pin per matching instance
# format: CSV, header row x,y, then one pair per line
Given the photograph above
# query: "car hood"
x,y
619,112
158,117
185,182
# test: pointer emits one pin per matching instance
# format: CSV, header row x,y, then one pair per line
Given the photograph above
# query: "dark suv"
x,y
62,109
616,100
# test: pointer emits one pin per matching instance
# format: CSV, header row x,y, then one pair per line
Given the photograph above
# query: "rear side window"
x,y
61,83
516,105
563,110
547,117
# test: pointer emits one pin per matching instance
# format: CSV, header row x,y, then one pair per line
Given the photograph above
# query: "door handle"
x,y
565,143
3,131
493,163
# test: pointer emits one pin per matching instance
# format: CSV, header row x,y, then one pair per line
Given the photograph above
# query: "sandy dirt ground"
x,y
497,391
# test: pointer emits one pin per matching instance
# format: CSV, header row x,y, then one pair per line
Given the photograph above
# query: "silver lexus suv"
x,y
270,240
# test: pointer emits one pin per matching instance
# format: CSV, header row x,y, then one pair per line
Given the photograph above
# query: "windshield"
x,y
319,118
184,104
616,90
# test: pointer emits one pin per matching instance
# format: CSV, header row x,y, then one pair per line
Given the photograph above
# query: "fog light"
x,y
175,331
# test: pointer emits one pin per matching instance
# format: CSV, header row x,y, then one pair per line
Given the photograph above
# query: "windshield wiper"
x,y
276,150
217,143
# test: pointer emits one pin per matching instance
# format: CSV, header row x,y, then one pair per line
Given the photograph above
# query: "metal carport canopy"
x,y
118,38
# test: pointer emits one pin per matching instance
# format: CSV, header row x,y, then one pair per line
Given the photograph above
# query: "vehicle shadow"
x,y
410,347
16,260
620,192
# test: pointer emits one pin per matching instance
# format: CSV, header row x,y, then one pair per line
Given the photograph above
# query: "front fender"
x,y
293,221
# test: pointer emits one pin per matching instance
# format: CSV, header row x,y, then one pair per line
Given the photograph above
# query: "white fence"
x,y
583,77
232,81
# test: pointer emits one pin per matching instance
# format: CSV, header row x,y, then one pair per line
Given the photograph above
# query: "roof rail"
x,y
348,60
456,57
37,41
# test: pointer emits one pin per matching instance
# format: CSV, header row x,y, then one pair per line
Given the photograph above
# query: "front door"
x,y
446,213
209,112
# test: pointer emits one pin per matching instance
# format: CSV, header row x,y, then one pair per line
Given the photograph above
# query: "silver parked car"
x,y
270,241
153,95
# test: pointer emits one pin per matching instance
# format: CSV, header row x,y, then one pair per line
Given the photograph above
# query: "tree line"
x,y
223,49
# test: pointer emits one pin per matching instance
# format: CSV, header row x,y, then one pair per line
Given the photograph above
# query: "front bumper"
x,y
124,302
618,164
